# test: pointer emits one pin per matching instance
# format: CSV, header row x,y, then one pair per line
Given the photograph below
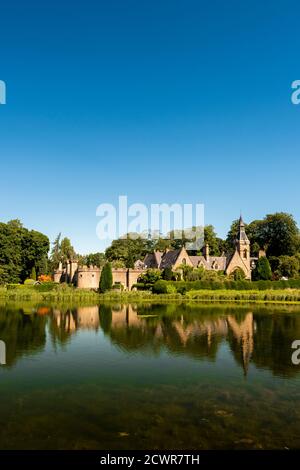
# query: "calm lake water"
x,y
149,377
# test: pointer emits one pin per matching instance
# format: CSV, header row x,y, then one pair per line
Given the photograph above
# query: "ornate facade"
x,y
240,258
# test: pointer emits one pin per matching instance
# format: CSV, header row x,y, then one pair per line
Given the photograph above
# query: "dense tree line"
x,y
24,253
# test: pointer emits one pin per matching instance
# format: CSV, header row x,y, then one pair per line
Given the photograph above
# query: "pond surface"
x,y
149,377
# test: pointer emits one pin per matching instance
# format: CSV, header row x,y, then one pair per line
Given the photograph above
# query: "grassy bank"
x,y
70,294
33,293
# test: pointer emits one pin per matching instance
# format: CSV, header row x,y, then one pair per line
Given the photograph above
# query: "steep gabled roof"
x,y
158,256
221,262
152,260
169,258
235,254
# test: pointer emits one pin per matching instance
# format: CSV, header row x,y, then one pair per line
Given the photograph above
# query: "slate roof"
x,y
241,235
220,261
152,260
169,258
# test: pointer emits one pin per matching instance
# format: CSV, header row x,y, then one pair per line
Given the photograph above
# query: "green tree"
x,y
96,259
150,276
162,244
62,251
213,241
106,278
118,264
33,274
262,270
20,250
129,249
92,259
289,266
55,256
35,247
67,250
280,234
42,266
230,242
11,251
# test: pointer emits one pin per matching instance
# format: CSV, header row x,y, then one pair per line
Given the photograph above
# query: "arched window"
x,y
214,265
184,261
245,254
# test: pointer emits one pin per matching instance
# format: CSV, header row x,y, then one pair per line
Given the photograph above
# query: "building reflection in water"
x,y
257,337
80,318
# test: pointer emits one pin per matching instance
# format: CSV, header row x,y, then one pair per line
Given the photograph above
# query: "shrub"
x,y
33,274
186,270
45,278
12,286
171,289
29,282
238,275
45,287
161,287
118,286
167,274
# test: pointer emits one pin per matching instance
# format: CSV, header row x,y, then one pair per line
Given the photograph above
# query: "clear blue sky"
x,y
165,101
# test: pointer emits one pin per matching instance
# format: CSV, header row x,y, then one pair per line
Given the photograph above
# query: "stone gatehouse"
x,y
88,277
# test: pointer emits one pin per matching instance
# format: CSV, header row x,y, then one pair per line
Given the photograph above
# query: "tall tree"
x,y
55,256
62,250
262,270
106,278
128,249
279,234
67,250
211,238
231,236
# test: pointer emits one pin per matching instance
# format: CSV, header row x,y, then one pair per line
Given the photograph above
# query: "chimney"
x,y
206,252
261,253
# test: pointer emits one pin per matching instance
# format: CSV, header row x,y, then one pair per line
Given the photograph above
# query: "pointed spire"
x,y
241,235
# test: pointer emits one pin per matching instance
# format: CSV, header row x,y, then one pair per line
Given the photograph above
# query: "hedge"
x,y
273,295
160,287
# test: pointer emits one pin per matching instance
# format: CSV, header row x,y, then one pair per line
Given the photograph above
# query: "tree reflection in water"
x,y
261,336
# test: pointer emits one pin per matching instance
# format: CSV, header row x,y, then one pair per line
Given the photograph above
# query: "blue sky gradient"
x,y
164,101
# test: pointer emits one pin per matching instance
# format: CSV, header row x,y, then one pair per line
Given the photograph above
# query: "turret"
x,y
243,244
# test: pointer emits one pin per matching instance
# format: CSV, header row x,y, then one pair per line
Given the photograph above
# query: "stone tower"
x,y
243,244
